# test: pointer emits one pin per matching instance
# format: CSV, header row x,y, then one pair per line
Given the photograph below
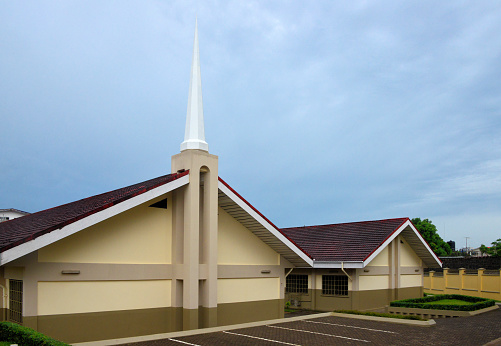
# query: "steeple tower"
x,y
195,211
194,136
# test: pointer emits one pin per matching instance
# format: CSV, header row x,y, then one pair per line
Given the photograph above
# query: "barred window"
x,y
16,301
335,285
295,283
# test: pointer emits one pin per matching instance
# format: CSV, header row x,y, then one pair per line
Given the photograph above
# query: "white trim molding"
x,y
406,224
58,234
242,204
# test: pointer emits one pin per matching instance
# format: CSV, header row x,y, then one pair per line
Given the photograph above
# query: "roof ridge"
x,y
348,223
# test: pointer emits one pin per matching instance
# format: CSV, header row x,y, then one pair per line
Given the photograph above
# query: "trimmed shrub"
x,y
20,335
420,303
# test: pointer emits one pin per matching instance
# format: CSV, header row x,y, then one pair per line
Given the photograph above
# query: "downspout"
x,y
344,271
4,297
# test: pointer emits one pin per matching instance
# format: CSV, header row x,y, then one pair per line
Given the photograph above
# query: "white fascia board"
x,y
338,264
58,234
439,262
264,223
386,243
394,235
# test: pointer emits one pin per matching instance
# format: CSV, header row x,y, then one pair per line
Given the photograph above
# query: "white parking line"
x,y
183,342
255,337
307,331
344,325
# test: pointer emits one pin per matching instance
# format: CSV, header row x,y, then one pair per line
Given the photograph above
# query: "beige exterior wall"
x,y
381,259
239,246
408,257
247,290
373,282
139,235
94,296
410,280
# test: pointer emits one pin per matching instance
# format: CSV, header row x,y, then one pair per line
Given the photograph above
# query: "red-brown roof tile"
x,y
354,241
29,227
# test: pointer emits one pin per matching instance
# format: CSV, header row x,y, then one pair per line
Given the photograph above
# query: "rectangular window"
x,y
335,285
16,301
295,283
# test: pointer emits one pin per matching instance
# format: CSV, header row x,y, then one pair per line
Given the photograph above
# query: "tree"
x,y
429,232
494,250
483,249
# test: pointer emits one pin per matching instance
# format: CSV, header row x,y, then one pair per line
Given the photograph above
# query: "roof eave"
x,y
72,228
434,261
338,264
278,236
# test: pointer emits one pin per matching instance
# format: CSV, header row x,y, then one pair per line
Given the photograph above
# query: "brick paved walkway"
x,y
475,330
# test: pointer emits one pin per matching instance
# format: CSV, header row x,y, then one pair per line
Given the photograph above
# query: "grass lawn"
x,y
454,302
5,343
449,302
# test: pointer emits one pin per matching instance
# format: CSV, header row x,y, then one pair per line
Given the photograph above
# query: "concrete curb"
x,y
428,323
198,331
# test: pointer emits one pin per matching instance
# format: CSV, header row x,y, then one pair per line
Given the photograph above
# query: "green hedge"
x,y
420,303
20,335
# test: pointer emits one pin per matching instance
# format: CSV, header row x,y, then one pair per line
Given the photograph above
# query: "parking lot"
x,y
331,330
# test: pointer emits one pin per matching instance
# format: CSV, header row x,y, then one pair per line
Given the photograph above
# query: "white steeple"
x,y
194,136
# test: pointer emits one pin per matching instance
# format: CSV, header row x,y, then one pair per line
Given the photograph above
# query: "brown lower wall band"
x,y
355,300
235,313
72,328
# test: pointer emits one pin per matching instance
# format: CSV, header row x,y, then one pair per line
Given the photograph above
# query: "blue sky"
x,y
320,111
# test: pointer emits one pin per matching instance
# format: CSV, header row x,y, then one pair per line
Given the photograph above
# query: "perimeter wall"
x,y
478,283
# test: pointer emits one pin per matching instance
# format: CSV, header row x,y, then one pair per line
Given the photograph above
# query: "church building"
x,y
186,251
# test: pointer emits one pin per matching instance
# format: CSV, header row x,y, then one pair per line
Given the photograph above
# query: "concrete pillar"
x,y
446,273
391,274
461,278
196,231
431,274
480,279
313,290
398,241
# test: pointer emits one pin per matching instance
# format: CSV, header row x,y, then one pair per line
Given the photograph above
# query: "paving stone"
x,y
475,330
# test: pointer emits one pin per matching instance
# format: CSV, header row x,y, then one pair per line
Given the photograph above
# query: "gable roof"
x,y
20,236
237,207
357,243
352,245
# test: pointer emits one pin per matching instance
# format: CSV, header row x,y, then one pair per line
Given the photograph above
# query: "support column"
x,y
198,231
191,253
209,245
391,262
397,267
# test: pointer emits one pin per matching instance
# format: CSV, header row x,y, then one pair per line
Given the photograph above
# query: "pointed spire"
x,y
194,136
